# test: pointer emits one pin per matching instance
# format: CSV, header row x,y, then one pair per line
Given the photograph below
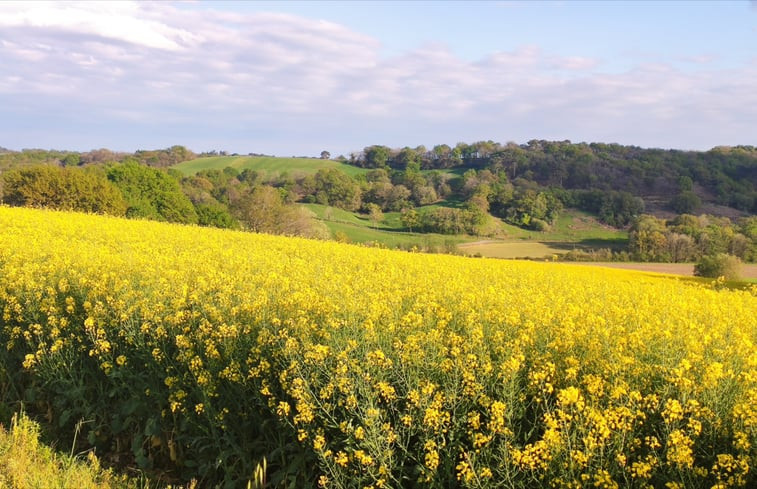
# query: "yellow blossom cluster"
x,y
209,349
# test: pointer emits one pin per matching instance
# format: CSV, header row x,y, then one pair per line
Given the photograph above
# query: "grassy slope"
x,y
389,232
574,229
264,163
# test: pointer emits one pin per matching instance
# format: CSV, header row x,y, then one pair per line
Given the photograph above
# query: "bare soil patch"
x,y
748,271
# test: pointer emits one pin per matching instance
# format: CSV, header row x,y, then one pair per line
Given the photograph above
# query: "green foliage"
x,y
31,157
263,210
647,240
688,238
685,183
408,159
333,187
376,156
685,202
374,214
62,188
72,159
727,173
533,209
447,220
215,215
163,158
152,194
720,265
386,195
616,208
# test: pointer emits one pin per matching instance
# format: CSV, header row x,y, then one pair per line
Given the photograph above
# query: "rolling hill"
x,y
264,163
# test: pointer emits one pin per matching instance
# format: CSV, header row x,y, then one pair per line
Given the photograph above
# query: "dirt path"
x,y
748,271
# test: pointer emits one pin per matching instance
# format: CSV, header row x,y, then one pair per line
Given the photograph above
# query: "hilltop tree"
x,y
408,159
376,156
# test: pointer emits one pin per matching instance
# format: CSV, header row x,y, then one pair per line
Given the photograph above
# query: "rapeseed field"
x,y
198,353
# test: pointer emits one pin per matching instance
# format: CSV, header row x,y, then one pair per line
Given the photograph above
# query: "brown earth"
x,y
748,271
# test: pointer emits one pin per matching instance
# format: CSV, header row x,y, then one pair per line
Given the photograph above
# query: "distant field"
x,y
574,229
511,249
264,163
539,249
358,229
748,271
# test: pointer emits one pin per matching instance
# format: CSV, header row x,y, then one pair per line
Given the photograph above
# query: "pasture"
x,y
268,164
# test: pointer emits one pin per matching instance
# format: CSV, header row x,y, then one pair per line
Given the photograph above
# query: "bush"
x,y
539,225
720,265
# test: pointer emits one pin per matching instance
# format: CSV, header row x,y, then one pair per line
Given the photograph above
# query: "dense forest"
x,y
724,175
677,205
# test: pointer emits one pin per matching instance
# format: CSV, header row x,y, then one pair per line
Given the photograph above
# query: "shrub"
x,y
720,265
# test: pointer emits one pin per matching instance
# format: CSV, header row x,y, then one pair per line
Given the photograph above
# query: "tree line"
x,y
723,175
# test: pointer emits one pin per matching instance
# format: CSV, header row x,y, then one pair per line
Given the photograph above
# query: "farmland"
x,y
269,164
200,352
574,230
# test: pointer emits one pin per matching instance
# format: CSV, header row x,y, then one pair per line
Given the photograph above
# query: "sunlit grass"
x,y
27,463
267,164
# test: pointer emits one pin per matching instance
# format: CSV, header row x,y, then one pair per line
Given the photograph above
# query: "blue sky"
x,y
294,78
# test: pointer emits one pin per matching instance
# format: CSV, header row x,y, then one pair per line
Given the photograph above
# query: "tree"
x,y
216,215
263,210
325,155
647,240
71,159
720,265
334,187
376,156
532,205
375,214
152,194
681,247
54,187
408,159
410,218
685,202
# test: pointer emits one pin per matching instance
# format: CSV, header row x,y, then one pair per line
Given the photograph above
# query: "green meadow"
x,y
268,164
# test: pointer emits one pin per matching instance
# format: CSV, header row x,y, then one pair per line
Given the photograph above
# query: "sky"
x,y
296,78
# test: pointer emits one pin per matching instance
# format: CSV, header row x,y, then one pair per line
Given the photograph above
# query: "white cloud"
x,y
143,66
121,21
